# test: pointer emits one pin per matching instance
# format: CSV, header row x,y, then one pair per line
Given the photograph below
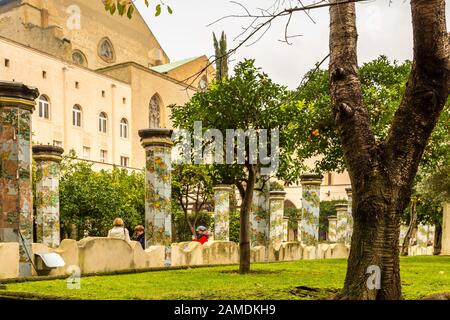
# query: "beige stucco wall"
x,y
59,87
145,84
132,39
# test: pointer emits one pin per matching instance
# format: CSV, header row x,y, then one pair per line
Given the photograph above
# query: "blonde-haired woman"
x,y
119,231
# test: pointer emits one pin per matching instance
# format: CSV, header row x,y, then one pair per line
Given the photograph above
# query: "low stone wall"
x,y
100,255
9,260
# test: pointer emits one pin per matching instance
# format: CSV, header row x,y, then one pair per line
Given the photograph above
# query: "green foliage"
x,y
181,230
276,186
249,99
123,7
192,195
91,200
234,225
313,127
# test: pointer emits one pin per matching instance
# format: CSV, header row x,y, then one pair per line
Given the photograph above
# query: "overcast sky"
x,y
383,28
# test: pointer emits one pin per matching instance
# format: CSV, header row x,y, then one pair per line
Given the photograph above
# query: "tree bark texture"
x,y
382,172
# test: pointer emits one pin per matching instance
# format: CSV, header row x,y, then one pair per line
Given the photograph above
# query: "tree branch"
x,y
427,90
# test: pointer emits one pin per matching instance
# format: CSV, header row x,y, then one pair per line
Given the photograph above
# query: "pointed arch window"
x,y
155,112
106,50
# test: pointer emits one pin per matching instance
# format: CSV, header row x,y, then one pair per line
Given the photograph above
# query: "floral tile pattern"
x,y
47,202
157,198
310,214
16,202
259,216
222,213
276,219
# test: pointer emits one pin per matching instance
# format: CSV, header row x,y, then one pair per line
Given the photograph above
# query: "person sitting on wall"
x,y
139,235
119,231
201,235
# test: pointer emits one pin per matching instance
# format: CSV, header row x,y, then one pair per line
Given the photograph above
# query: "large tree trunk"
x,y
382,173
412,226
244,239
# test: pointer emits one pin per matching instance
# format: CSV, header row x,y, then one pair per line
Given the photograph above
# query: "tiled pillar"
x,y
446,230
299,230
222,212
310,208
349,214
342,223
276,216
48,159
158,188
332,227
260,215
285,229
17,103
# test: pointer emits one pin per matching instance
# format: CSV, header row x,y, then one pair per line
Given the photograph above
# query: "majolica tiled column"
x,y
332,226
48,159
158,188
276,216
350,214
310,208
260,215
285,229
342,223
222,212
17,103
299,230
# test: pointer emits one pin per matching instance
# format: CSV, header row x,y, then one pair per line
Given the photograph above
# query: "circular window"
x,y
79,58
106,50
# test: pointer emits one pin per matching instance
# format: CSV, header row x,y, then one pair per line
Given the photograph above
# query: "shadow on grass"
x,y
305,292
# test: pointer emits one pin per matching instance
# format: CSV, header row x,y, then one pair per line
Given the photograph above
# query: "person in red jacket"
x,y
202,235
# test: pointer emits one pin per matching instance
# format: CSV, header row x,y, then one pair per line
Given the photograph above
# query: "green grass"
x,y
420,276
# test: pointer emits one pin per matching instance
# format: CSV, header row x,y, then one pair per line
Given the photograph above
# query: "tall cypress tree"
x,y
221,53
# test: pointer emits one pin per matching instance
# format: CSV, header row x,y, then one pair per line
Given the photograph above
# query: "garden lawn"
x,y
421,276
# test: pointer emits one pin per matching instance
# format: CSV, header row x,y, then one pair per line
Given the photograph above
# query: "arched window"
x,y
102,122
106,50
124,128
155,112
76,116
44,107
79,58
203,83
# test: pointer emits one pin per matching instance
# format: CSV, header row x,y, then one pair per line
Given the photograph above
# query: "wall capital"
x,y
311,179
47,153
341,207
16,94
156,137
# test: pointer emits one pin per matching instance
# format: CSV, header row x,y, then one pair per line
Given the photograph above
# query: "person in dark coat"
x,y
139,235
